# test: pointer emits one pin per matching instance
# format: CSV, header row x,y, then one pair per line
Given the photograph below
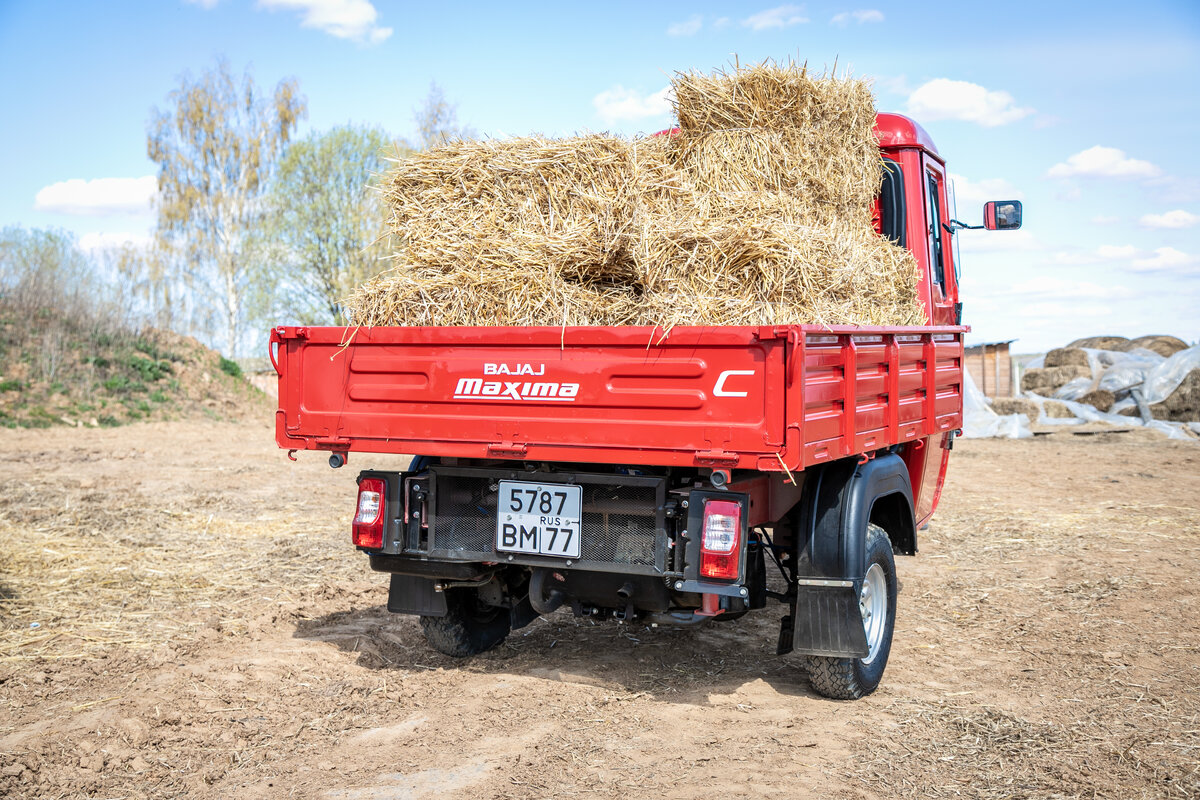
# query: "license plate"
x,y
539,518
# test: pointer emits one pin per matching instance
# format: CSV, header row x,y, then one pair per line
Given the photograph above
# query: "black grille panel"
x,y
622,521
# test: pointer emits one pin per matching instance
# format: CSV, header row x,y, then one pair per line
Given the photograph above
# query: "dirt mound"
x,y
1046,380
79,376
1165,346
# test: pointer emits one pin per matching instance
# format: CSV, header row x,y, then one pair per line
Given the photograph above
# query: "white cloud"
x,y
689,27
207,5
1165,259
98,197
618,104
861,17
1061,310
970,194
1049,287
976,242
1103,162
91,242
345,19
943,98
783,16
1105,252
1172,219
721,23
1105,219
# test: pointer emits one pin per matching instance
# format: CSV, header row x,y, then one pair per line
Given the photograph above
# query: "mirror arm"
x,y
955,225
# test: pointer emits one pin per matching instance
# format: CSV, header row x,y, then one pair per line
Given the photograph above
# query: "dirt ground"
x,y
183,615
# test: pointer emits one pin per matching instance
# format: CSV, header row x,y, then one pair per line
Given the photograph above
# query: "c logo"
x,y
720,391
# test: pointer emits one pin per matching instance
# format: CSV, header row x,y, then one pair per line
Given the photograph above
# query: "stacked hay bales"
x,y
1047,380
758,211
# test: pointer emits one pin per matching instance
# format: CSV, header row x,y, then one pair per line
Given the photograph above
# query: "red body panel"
x,y
735,397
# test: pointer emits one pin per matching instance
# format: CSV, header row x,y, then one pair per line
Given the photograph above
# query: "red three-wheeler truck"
x,y
655,479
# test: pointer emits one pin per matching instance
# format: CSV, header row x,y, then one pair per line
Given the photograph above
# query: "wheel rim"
x,y
872,602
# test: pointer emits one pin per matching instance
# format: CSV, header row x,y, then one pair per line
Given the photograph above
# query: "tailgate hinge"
x,y
507,449
716,458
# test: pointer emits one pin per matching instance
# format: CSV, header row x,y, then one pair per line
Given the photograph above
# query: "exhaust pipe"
x,y
537,594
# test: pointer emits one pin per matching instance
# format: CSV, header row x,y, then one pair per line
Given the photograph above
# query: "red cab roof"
x,y
897,130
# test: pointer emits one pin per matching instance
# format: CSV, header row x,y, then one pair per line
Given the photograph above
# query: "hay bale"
x,y
1015,405
1057,410
771,128
1066,357
757,212
1165,346
1100,399
740,271
1047,380
429,296
1183,404
1118,343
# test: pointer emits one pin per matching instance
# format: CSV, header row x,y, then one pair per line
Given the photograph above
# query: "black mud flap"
x,y
522,613
825,621
412,595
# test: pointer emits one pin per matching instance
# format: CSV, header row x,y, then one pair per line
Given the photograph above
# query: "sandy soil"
x,y
183,615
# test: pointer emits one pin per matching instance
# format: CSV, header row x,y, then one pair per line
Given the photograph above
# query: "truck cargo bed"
x,y
748,397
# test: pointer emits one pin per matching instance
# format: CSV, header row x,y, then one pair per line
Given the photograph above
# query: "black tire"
x,y
852,678
469,627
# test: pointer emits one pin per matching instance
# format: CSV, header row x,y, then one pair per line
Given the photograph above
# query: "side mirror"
x,y
1002,215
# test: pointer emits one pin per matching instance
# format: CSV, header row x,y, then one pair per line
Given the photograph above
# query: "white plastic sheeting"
x,y
981,422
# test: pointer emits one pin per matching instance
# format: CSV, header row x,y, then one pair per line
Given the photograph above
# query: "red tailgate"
x,y
704,396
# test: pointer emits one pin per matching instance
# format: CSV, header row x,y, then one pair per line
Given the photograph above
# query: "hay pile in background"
x,y
758,211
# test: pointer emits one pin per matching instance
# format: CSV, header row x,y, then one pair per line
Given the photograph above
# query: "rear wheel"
x,y
470,627
852,678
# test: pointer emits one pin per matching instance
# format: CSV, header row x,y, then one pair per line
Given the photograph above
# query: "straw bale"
x,y
1057,410
1118,343
1067,357
1183,404
740,271
426,296
1046,380
1165,346
521,203
1099,399
758,211
774,127
1015,405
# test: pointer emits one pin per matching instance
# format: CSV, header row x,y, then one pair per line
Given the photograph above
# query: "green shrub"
x,y
230,367
11,385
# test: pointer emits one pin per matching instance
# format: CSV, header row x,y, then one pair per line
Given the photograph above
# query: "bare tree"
x,y
216,146
437,120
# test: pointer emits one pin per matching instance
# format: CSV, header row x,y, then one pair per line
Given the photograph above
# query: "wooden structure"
x,y
991,368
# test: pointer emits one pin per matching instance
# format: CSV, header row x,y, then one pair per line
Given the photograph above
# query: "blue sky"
x,y
1089,113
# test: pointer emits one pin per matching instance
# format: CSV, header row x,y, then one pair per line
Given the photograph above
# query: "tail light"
x,y
720,548
370,513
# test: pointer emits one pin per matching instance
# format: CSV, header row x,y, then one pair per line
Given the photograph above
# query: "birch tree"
x,y
217,144
326,220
